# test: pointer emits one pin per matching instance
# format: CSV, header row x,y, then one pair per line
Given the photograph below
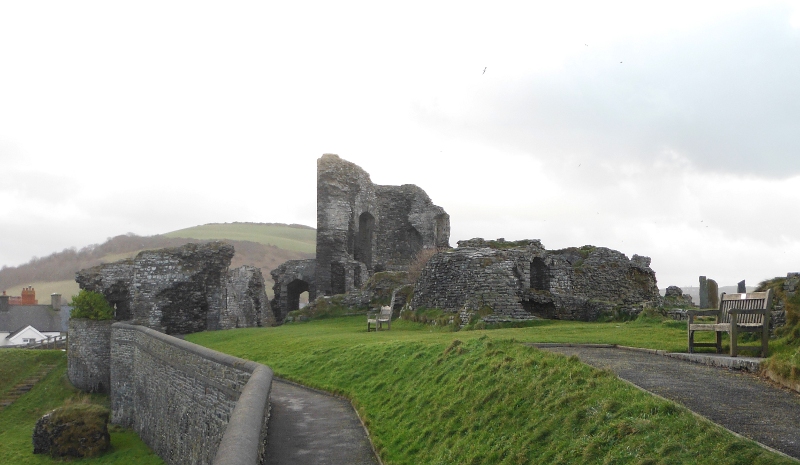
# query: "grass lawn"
x,y
279,235
17,421
431,396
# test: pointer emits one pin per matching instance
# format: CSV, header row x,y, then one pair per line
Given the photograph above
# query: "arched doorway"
x,y
293,291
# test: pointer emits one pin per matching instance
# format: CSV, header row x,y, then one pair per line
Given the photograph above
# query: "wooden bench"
x,y
737,313
378,319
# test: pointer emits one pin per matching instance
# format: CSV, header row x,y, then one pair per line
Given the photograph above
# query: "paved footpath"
x,y
763,412
309,427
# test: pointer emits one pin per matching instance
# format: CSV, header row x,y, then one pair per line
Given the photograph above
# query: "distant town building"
x,y
28,297
25,323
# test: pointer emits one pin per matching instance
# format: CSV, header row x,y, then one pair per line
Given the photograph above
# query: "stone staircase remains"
x,y
21,388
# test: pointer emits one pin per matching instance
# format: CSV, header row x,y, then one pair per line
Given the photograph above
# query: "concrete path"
x,y
762,412
308,427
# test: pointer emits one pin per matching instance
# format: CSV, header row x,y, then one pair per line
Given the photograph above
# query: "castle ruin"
x,y
182,290
362,228
521,280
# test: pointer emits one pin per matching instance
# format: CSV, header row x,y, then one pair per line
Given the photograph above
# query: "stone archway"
x,y
293,291
292,279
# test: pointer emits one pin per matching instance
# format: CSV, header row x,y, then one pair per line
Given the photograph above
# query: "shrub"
x,y
790,304
91,305
418,263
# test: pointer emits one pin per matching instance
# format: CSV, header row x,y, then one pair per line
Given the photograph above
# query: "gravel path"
x,y
309,427
763,412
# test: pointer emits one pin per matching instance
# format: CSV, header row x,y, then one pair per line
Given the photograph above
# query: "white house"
x,y
26,335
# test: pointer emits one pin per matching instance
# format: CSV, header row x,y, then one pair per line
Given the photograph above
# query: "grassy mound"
x,y
74,430
432,396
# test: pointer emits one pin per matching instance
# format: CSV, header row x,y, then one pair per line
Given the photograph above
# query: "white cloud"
x,y
154,116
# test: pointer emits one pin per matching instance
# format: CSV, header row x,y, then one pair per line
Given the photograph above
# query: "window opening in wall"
x,y
540,275
303,299
366,231
357,277
414,241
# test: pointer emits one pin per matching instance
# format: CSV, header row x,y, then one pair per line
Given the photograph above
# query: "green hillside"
x,y
263,245
297,238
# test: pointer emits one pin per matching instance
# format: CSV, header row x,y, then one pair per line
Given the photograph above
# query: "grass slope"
x,y
290,237
17,365
480,397
17,421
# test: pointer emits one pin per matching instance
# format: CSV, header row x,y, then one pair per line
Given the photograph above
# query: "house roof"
x,y
11,336
41,317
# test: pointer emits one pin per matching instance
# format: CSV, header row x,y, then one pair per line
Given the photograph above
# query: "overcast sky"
x,y
670,131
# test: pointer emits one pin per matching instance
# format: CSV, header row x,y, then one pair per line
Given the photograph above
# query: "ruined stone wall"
x,y
182,290
363,228
522,280
113,280
291,279
474,278
180,397
89,354
602,274
246,304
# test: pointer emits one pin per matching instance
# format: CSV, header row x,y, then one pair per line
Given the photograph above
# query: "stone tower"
x,y
364,228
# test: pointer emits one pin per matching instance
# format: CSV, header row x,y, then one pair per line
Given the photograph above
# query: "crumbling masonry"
x,y
502,281
182,290
362,228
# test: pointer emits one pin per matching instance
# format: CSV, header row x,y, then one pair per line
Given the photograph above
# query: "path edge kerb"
x,y
663,353
733,363
350,401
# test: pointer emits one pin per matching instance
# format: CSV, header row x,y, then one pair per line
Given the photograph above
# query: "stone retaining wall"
x,y
190,404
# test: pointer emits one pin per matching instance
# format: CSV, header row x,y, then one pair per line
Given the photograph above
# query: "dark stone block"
x,y
673,291
703,292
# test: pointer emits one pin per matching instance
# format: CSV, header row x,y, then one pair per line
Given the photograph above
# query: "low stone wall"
x,y
190,404
89,354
